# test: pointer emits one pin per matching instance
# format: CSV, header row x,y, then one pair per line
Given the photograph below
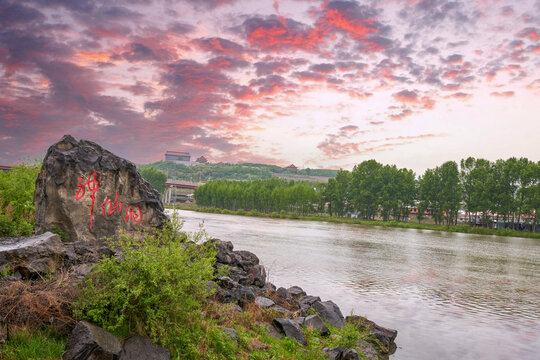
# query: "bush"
x,y
157,290
17,199
8,227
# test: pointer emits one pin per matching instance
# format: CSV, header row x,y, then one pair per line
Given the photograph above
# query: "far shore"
x,y
466,229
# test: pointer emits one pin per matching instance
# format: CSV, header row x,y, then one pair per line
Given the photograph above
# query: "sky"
x,y
320,84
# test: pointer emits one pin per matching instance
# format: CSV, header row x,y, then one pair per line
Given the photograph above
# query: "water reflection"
x,y
451,296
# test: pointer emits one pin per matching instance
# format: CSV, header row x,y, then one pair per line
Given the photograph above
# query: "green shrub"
x,y
157,289
8,227
24,227
61,233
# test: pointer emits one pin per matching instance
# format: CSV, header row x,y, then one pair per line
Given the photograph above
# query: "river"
x,y
449,295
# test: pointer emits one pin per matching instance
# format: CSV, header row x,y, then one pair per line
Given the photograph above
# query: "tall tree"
x,y
155,177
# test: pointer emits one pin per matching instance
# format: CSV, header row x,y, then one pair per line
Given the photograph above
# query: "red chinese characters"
x,y
92,184
116,206
133,213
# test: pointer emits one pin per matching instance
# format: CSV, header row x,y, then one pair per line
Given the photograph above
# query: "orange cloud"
x,y
506,94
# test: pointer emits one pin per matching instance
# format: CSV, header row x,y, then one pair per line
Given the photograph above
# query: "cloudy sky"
x,y
315,83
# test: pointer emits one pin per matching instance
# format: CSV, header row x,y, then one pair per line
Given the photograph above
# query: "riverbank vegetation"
x,y
478,192
466,229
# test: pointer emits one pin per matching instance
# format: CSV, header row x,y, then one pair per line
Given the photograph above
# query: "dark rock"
x,y
281,311
231,333
81,270
291,329
368,351
243,295
330,312
333,353
224,250
246,259
227,283
300,320
283,294
271,330
296,292
309,300
304,308
80,189
88,341
349,354
137,347
384,335
316,322
269,287
33,255
258,273
264,302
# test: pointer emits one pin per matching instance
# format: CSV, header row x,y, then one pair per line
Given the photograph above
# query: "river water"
x,y
449,295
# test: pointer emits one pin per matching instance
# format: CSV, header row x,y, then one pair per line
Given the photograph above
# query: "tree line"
x,y
270,195
507,190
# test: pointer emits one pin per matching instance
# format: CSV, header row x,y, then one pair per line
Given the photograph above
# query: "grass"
x,y
40,344
466,229
254,342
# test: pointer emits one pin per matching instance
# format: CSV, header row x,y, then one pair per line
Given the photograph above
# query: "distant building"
x,y
202,160
292,167
179,157
5,168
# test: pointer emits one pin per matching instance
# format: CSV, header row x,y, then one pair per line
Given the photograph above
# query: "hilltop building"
x,y
202,160
178,157
292,168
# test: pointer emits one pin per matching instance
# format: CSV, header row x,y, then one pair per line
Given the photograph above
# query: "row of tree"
x,y
271,195
506,190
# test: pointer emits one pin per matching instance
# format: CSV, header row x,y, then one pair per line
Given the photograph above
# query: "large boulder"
x,y
90,193
384,335
316,322
137,347
291,329
330,312
88,341
32,255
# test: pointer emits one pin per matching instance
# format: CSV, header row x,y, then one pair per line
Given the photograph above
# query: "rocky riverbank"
x,y
289,312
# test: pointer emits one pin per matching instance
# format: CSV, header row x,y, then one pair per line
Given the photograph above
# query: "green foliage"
x,y
156,178
17,199
259,196
33,345
157,290
8,227
61,233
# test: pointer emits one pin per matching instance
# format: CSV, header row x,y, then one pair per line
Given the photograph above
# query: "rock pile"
x,y
247,284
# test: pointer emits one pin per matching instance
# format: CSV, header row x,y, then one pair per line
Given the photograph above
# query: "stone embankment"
x,y
245,286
